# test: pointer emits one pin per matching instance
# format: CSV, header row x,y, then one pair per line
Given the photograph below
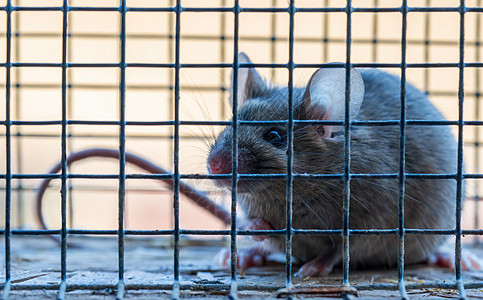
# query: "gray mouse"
x,y
317,203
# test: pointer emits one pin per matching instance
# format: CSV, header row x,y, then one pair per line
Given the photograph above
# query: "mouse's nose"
x,y
219,165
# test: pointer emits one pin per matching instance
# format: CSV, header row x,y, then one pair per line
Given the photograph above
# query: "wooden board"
x,y
149,260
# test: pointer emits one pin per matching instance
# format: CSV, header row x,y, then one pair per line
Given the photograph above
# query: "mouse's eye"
x,y
276,136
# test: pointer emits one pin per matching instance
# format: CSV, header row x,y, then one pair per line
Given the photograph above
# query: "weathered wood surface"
x,y
36,260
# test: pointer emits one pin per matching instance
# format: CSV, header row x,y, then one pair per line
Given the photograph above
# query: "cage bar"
x,y
261,65
402,155
347,150
63,178
234,154
176,231
245,9
8,159
459,178
122,150
290,140
202,232
247,287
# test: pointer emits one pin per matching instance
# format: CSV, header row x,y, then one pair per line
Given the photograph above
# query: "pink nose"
x,y
219,165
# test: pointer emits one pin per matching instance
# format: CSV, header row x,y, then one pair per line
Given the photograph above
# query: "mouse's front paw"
x,y
259,224
256,224
246,258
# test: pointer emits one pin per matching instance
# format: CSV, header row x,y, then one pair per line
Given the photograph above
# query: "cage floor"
x,y
93,260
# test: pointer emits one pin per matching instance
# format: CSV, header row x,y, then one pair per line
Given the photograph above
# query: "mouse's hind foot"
x,y
446,259
322,265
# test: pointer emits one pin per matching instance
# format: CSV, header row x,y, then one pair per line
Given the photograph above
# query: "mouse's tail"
x,y
194,195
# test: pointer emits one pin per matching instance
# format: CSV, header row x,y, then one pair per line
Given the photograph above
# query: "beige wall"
x,y
95,96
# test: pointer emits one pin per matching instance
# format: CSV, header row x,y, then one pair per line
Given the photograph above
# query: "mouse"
x,y
319,149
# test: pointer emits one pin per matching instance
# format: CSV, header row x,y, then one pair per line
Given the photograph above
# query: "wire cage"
x,y
153,78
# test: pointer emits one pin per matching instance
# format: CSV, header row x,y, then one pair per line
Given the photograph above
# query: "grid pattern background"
x,y
152,78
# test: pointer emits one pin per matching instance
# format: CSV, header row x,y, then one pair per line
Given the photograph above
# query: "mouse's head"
x,y
263,149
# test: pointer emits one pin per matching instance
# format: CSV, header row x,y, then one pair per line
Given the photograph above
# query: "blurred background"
x,y
206,37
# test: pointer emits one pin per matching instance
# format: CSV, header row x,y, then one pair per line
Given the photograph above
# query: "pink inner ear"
x,y
319,114
327,132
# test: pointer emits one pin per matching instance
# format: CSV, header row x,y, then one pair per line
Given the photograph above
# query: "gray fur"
x,y
317,204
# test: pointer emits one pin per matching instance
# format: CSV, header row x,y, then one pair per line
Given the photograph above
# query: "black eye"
x,y
276,136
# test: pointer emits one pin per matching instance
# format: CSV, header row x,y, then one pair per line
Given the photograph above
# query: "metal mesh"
x,y
13,126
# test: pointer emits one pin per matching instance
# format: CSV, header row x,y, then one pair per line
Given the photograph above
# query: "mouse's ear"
x,y
250,83
325,96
